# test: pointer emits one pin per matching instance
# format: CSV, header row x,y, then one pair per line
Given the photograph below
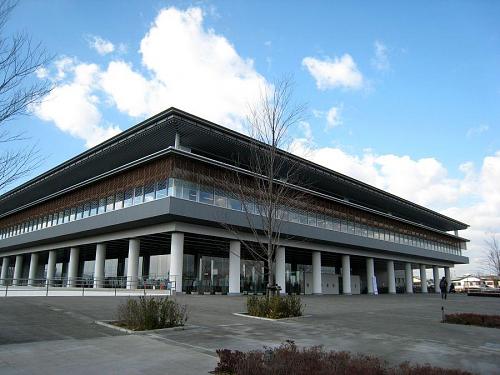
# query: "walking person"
x,y
443,285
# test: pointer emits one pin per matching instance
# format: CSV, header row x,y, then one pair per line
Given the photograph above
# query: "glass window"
x,y
86,209
234,204
172,187
93,207
60,217
189,191
110,203
79,212
66,215
138,195
72,215
161,189
206,195
128,198
101,208
336,224
311,218
220,198
320,221
118,201
149,192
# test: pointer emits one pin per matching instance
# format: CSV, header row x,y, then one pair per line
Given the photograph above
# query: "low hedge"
x,y
469,319
287,359
148,312
274,307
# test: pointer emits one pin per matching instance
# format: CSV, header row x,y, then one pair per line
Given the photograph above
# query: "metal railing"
x,y
117,285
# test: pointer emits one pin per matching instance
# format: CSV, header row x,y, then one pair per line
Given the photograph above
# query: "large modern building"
x,y
154,204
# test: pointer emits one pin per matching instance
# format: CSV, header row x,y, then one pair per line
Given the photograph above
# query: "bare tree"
x,y
20,59
492,255
267,193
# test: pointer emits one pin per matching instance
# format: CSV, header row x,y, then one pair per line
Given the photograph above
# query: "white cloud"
x,y
333,117
102,46
477,130
187,66
73,106
381,59
337,73
473,197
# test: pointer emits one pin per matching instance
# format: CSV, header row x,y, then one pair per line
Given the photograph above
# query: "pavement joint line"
x,y
281,320
199,349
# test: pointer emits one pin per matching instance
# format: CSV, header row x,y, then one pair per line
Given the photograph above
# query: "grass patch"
x,y
287,359
275,307
149,312
469,319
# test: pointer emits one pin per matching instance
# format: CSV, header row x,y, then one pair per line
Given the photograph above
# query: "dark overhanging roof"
x,y
158,132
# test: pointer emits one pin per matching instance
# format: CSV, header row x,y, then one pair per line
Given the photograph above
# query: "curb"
x,y
245,315
108,324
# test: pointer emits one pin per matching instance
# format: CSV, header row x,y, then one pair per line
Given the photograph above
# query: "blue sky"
x,y
413,90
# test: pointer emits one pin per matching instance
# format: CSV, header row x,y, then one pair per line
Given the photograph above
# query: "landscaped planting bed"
x,y
274,307
148,312
492,321
287,359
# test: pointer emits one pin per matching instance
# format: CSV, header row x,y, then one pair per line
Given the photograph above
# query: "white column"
x,y
409,278
234,267
423,278
18,270
280,268
447,276
51,267
74,255
134,245
33,269
5,269
435,270
346,274
100,259
370,273
391,279
316,268
176,259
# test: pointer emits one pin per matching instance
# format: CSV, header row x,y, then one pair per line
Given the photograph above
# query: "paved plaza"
x,y
58,335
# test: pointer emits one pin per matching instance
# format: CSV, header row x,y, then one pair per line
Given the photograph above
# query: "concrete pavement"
x,y
36,333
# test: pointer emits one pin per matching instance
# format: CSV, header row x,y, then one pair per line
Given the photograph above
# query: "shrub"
x,y
492,321
151,313
287,359
275,307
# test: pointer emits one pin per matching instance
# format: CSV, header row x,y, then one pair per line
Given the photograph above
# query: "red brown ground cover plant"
x,y
287,359
492,321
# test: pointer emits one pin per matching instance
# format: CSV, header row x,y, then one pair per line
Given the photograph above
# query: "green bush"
x,y
275,307
287,359
492,321
147,313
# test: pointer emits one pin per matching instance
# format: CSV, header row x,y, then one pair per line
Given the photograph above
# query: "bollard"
x,y
442,314
47,288
6,288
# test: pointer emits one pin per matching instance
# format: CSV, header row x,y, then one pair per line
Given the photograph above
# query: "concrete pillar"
x,y
234,267
5,269
435,271
346,274
134,245
100,260
51,267
176,259
18,270
280,268
447,276
370,273
423,278
316,268
33,269
74,255
409,278
391,279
